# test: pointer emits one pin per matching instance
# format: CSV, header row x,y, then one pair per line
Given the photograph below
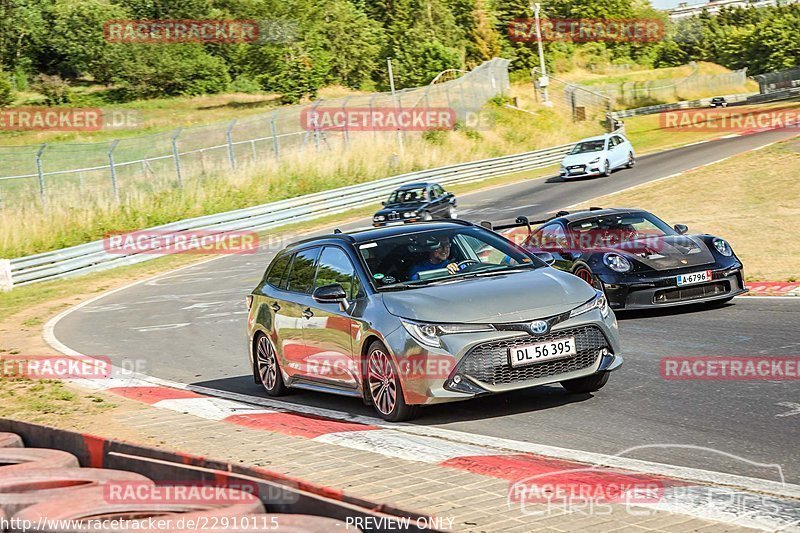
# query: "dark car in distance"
x,y
638,260
414,202
718,101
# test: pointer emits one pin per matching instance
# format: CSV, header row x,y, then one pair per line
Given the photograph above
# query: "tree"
x,y
7,92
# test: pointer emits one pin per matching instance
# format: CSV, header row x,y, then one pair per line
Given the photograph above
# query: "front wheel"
x,y
586,275
631,160
606,169
591,383
427,216
452,212
385,389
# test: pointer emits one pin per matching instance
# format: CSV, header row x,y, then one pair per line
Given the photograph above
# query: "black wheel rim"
x,y
267,363
382,382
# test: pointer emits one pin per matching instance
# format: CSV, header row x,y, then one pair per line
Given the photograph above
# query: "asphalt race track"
x,y
189,326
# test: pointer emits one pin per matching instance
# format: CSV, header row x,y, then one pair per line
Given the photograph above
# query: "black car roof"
x,y
591,213
418,185
371,234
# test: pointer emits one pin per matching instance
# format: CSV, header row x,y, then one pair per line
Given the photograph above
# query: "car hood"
x,y
512,297
581,159
668,252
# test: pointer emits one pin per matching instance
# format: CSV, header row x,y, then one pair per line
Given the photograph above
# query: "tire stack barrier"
x,y
18,459
47,491
10,440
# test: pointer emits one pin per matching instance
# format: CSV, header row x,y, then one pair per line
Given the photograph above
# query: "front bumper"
x,y
661,290
591,172
478,363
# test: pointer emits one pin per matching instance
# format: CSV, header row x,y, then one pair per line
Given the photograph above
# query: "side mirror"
x,y
328,294
681,228
547,257
383,203
486,224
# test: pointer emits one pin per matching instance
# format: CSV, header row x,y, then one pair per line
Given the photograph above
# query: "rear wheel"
x,y
586,384
269,373
384,387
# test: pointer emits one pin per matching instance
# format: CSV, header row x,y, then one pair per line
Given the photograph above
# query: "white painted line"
x,y
210,408
403,445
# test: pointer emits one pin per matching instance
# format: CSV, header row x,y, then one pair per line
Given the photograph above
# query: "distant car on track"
x,y
598,156
637,259
414,202
354,314
718,101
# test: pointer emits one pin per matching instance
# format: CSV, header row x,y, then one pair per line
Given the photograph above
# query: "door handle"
x,y
276,307
308,313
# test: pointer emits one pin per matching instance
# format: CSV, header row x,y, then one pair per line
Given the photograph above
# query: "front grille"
x,y
691,292
393,216
488,362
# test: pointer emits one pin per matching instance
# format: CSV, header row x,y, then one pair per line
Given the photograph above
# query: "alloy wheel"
x,y
382,382
267,363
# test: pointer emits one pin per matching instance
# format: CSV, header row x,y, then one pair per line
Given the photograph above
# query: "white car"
x,y
598,156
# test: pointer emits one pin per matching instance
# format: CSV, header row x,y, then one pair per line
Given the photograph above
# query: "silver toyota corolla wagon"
x,y
426,313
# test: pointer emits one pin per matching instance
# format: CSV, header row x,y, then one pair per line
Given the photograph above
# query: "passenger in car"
x,y
438,256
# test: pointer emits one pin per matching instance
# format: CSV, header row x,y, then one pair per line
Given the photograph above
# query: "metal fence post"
x,y
231,155
346,132
177,156
275,142
114,144
41,174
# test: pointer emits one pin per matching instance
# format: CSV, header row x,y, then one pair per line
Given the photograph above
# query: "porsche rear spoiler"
x,y
523,221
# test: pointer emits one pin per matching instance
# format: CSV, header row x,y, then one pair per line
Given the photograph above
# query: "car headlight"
x,y
429,334
617,263
379,218
410,214
595,160
723,247
598,302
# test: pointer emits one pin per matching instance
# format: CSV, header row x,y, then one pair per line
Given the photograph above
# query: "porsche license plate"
x,y
542,351
694,277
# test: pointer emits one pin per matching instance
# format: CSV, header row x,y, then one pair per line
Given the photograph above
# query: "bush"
x,y
55,90
245,84
7,92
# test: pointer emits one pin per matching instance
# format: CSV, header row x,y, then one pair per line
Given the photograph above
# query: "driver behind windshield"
x,y
438,258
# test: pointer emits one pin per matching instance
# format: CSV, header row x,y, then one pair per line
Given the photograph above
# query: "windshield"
x,y
433,256
589,146
618,228
407,196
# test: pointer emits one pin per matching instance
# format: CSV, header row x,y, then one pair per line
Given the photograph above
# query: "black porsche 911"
x,y
637,259
414,202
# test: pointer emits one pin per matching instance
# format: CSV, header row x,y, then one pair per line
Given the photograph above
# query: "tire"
x,y
384,388
19,459
268,368
25,488
606,169
631,160
97,502
452,212
10,440
585,273
591,383
427,216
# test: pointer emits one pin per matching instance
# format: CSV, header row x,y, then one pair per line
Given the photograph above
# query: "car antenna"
x,y
337,231
562,213
595,209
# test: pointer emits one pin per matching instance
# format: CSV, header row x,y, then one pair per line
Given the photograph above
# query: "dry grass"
x,y
26,229
752,200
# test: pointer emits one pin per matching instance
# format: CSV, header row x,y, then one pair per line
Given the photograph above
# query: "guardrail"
x,y
93,257
683,104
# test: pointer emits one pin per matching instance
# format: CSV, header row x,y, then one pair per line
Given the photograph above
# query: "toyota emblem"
x,y
539,326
